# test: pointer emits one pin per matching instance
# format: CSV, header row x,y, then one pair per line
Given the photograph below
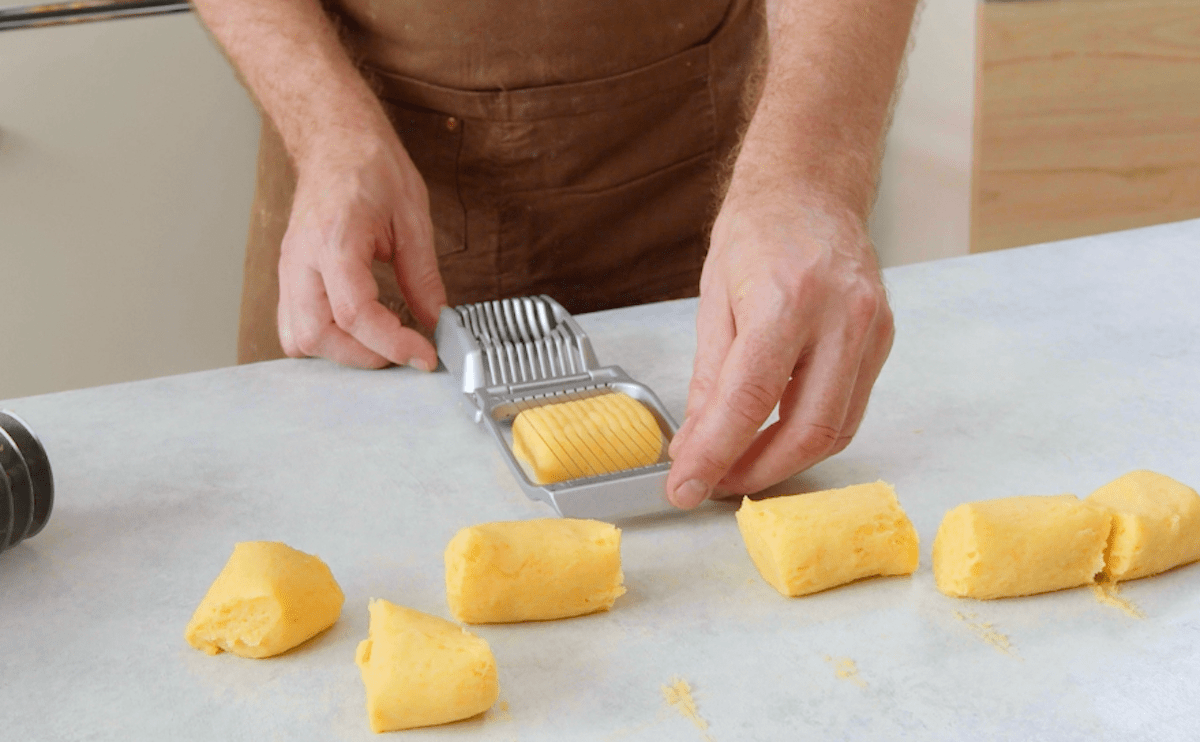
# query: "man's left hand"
x,y
793,313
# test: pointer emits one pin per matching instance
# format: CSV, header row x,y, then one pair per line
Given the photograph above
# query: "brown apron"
x,y
597,191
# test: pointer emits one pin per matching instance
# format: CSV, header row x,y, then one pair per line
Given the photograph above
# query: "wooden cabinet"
x,y
1088,118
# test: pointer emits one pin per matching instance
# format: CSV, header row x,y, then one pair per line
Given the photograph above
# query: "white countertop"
x,y
1040,370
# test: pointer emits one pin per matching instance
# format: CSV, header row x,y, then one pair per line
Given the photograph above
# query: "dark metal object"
x,y
13,468
6,511
54,14
26,482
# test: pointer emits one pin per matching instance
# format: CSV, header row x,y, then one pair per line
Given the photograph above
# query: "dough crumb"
x,y
985,630
1108,593
678,695
846,669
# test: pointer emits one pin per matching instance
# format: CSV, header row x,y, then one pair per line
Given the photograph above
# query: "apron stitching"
x,y
462,203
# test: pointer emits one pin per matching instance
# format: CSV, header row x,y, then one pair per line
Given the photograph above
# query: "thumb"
x,y
714,336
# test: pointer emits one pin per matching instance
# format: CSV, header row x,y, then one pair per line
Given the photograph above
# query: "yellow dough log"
x,y
806,543
1019,546
585,437
533,570
1156,524
268,599
420,670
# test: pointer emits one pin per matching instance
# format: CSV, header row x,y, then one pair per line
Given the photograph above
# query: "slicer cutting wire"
x,y
516,354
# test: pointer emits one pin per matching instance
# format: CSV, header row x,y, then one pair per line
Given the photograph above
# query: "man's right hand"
x,y
358,196
359,199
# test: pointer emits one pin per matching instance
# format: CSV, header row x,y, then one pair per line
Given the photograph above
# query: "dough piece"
x,y
420,670
533,570
806,543
1019,546
585,437
268,599
1156,524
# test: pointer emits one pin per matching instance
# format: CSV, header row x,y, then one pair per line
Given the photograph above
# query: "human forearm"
x,y
825,99
792,312
290,57
358,197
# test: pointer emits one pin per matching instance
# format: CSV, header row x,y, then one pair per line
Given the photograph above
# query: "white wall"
x,y
126,172
924,204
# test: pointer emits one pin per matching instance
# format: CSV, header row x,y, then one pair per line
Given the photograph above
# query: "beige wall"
x,y
126,169
924,203
126,172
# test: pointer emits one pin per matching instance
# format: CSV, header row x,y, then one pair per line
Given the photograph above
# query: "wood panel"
x,y
1088,118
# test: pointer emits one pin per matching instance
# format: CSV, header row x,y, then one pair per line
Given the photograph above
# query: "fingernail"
x,y
418,363
690,494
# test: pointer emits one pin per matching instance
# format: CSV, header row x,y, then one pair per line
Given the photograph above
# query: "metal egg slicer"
x,y
514,354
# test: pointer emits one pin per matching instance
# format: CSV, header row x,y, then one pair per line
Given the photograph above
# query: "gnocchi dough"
x,y
420,670
1155,524
268,599
1019,546
533,570
810,542
586,437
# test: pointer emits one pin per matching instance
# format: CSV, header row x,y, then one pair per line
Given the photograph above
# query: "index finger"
x,y
354,300
752,379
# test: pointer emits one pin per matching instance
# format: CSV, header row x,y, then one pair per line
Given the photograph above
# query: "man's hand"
x,y
358,199
358,196
792,309
792,312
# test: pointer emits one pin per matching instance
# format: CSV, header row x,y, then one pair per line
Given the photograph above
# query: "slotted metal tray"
x,y
513,354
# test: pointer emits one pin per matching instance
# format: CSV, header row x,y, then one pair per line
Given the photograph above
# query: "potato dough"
x,y
1156,524
805,543
1019,546
268,599
585,437
533,570
420,670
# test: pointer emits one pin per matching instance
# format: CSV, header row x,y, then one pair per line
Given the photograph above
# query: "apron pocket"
x,y
641,241
433,147
598,193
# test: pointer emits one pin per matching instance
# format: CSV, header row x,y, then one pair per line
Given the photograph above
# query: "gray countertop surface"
x,y
1039,370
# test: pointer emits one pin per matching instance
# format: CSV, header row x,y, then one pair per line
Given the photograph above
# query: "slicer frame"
x,y
513,354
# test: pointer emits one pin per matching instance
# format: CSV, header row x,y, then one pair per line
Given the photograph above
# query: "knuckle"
x,y
885,324
712,465
346,313
428,282
817,442
307,340
290,348
751,402
840,444
863,305
701,384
